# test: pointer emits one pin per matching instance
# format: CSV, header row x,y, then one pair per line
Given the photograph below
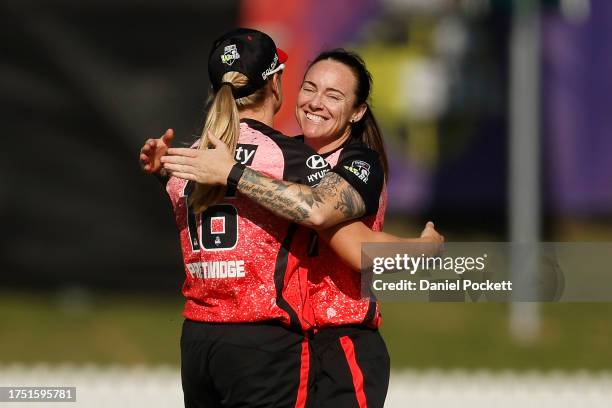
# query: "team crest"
x,y
361,169
230,54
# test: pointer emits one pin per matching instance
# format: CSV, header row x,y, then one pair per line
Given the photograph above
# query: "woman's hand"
x,y
210,166
434,240
153,150
430,234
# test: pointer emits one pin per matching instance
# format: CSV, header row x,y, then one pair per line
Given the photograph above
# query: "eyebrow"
x,y
327,89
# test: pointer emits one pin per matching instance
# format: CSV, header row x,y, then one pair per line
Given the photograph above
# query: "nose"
x,y
315,102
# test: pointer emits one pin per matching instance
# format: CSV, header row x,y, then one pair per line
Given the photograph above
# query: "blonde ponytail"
x,y
223,121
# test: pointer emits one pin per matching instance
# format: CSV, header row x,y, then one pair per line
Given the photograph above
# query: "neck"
x,y
263,115
327,145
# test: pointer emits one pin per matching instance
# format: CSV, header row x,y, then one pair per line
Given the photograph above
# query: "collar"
x,y
259,126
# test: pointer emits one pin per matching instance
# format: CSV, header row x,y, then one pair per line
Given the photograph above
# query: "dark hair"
x,y
366,129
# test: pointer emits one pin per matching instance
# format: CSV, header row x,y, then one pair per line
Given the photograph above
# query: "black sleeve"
x,y
361,168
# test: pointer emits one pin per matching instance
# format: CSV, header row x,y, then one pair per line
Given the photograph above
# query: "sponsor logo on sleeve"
x,y
361,169
315,178
230,54
316,162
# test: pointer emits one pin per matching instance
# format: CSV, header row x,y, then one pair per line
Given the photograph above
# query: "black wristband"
x,y
233,178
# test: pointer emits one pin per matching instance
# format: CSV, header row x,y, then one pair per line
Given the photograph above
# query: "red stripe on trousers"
x,y
349,352
304,370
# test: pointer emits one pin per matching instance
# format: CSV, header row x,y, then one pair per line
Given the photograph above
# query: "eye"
x,y
307,88
334,97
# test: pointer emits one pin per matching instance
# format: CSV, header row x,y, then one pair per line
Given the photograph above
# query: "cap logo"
x,y
270,70
230,54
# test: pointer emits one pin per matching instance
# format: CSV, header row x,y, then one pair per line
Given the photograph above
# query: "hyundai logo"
x,y
316,162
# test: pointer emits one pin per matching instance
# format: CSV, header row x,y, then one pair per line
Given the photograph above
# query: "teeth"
x,y
314,118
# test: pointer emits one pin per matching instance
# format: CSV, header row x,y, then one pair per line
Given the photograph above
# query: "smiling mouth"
x,y
314,118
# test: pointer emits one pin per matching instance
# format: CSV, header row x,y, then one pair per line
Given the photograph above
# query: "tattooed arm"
x,y
332,201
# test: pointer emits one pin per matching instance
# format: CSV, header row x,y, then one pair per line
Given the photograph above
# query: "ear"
x,y
359,112
276,86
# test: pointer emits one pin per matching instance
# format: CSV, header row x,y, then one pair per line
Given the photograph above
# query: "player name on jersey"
x,y
216,269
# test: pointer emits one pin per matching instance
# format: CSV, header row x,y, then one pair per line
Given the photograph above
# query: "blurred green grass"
x,y
128,329
573,336
89,328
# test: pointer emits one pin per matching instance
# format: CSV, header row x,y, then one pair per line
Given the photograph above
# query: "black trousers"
x,y
351,368
242,365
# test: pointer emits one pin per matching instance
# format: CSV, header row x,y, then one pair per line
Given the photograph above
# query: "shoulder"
x,y
357,149
361,168
253,131
265,130
358,158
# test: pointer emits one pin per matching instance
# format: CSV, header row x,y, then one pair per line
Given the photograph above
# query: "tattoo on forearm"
x,y
270,193
297,202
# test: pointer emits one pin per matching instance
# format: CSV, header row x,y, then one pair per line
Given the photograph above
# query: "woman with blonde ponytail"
x,y
223,120
242,342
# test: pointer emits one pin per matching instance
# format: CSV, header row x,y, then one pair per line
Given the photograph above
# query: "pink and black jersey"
x,y
237,253
334,289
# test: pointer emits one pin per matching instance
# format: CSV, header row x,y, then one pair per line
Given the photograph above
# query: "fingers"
x,y
148,146
430,232
217,143
181,151
152,149
212,139
145,163
179,165
179,168
168,137
179,159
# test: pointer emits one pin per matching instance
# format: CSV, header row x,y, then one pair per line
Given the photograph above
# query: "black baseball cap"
x,y
248,51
